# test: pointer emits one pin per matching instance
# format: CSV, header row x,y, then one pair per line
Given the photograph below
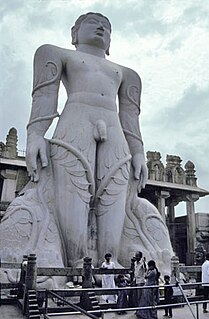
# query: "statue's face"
x,y
94,30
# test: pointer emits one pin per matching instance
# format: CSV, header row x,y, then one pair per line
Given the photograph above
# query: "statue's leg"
x,y
73,193
113,167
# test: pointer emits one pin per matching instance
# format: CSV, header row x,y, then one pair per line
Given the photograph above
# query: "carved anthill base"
x,y
30,226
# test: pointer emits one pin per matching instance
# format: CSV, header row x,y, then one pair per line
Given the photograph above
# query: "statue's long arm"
x,y
46,81
47,70
129,110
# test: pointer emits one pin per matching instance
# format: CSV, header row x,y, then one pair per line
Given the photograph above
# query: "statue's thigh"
x,y
112,155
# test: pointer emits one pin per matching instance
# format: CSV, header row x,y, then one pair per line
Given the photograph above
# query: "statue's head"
x,y
93,18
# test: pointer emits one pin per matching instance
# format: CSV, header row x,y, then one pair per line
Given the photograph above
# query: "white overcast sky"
x,y
165,41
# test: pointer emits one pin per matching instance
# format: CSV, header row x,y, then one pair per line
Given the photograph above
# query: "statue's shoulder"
x,y
130,74
127,73
50,50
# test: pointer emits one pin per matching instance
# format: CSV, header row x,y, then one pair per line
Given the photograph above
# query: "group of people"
x,y
145,274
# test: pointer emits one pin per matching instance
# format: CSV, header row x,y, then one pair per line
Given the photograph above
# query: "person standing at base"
x,y
150,296
205,281
108,280
122,301
168,293
139,276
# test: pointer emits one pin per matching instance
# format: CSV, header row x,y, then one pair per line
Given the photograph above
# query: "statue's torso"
x,y
91,79
92,85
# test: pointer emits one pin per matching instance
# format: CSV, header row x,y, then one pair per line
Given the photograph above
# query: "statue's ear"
x,y
108,51
74,36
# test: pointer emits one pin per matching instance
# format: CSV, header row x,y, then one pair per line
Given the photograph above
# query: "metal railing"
x,y
28,275
69,303
99,291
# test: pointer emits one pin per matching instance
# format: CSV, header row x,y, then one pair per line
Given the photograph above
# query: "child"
x,y
122,301
168,293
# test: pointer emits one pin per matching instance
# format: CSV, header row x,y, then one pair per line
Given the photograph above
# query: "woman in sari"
x,y
150,296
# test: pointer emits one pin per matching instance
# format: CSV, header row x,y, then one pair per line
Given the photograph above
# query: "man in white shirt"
x,y
139,275
108,279
205,281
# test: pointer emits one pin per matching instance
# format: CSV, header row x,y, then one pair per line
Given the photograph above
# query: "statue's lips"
x,y
100,33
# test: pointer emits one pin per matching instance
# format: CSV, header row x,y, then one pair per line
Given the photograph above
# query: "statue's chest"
x,y
90,66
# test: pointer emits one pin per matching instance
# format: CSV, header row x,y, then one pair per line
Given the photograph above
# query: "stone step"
x,y
33,302
31,297
34,312
94,302
33,307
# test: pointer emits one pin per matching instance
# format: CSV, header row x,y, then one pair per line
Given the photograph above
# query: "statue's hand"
x,y
36,147
140,170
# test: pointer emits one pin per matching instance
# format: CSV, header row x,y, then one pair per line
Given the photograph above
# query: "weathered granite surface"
x,y
82,198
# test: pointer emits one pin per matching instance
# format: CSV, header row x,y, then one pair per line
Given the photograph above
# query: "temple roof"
x,y
177,189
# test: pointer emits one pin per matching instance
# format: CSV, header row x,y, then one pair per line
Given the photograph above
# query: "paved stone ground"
x,y
12,311
178,313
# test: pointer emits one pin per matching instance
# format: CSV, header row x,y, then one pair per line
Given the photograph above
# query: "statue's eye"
x,y
105,25
92,21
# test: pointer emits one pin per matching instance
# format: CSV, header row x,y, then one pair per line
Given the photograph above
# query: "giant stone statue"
x,y
82,197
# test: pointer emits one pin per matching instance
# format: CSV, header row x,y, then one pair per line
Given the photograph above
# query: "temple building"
x,y
168,185
13,172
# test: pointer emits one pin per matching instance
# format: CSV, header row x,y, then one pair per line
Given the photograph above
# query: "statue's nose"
x,y
101,27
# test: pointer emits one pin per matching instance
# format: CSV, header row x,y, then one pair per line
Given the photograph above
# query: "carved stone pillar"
x,y
9,184
171,213
86,282
170,223
161,197
191,227
171,219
